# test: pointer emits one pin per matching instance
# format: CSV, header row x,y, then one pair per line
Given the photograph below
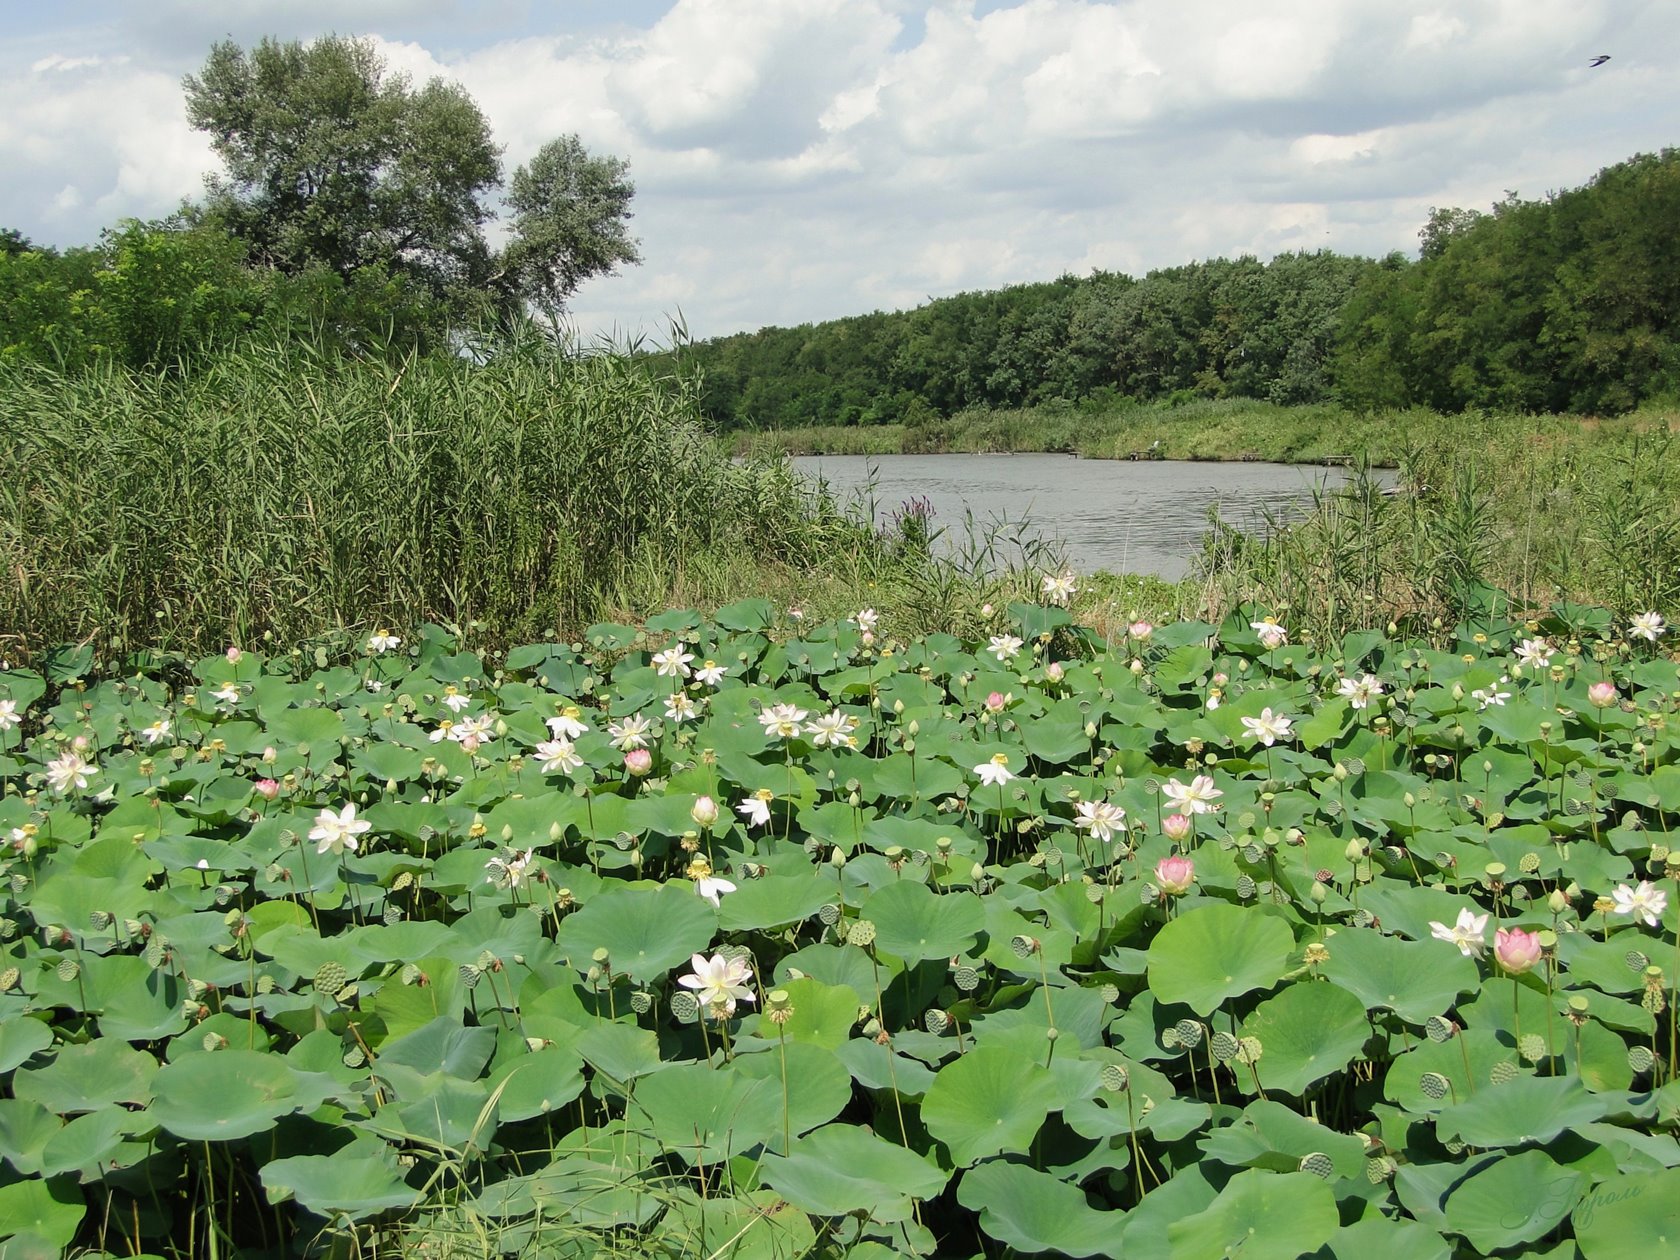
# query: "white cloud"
x,y
799,159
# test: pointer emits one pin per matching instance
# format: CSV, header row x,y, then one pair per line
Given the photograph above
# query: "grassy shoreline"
x,y
1211,430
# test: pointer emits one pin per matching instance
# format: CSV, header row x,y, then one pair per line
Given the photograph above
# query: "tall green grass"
x,y
288,491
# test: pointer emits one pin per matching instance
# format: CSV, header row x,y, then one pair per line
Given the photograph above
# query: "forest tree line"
x,y
1567,303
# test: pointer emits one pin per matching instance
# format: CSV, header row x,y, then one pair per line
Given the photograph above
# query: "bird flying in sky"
x,y
1599,60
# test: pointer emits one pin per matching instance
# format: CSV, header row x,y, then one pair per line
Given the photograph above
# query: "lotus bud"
x,y
638,761
704,811
976,873
1408,800
1175,827
1318,892
1602,694
1340,773
1175,874
837,857
507,833
1054,671
1354,851
1090,730
1136,667
1458,691
1557,902
269,756
554,831
268,789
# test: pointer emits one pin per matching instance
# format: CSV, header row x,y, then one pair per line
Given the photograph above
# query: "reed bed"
x,y
286,493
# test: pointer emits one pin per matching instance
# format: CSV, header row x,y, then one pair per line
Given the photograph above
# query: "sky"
x,y
799,160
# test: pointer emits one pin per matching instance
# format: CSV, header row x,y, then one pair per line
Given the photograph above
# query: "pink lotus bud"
x,y
994,702
704,811
1516,950
1175,827
638,761
1175,874
268,789
234,656
1140,630
1221,678
1602,694
1054,671
81,743
471,744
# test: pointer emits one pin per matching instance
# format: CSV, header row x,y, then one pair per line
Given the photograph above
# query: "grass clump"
x,y
286,492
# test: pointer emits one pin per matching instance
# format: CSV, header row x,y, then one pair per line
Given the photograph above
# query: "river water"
x,y
1129,517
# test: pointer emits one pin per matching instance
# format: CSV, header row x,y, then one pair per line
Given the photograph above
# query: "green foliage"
x,y
283,489
504,1021
332,162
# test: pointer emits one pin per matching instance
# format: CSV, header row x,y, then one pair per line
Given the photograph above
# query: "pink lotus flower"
x,y
268,789
1175,827
1602,694
1175,874
995,702
1516,950
638,761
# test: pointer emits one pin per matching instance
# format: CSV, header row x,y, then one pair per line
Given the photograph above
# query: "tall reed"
x,y
287,490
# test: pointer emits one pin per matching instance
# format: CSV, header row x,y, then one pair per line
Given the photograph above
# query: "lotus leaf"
x,y
1259,1216
1033,1211
988,1102
1213,953
840,1169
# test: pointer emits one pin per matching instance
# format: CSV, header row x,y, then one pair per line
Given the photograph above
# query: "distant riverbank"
x,y
1223,430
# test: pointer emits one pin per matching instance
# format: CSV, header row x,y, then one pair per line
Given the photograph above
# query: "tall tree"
x,y
333,161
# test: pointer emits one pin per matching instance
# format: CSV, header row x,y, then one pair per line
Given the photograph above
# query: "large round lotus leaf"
x,y
1416,979
537,1084
843,1168
437,1111
1033,1211
230,1094
20,1039
988,1101
1630,1218
52,1210
822,1014
1481,1049
89,1140
1270,1135
1259,1216
1527,1109
1379,1236
443,1045
353,1186
1513,1200
818,1084
646,931
1306,1032
1214,953
751,1225
25,1129
88,1077
620,1052
775,900
705,1114
137,1002
916,923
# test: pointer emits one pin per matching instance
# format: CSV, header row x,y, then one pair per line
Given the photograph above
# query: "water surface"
x,y
1142,517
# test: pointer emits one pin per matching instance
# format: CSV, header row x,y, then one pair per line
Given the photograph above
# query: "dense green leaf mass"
x,y
294,941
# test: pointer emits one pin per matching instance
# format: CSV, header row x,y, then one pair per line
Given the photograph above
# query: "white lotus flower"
x,y
672,662
630,733
1646,902
383,641
1648,625
566,724
996,771
756,808
1360,692
558,755
1268,728
1003,646
833,730
1100,818
69,771
337,833
1468,933
1199,797
717,980
781,721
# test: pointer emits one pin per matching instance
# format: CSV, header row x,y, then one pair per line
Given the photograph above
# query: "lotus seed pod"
x,y
966,978
1224,1046
1318,1164
1114,1078
685,1006
1439,1028
330,978
1189,1032
1434,1085
1503,1072
861,934
1640,1059
601,955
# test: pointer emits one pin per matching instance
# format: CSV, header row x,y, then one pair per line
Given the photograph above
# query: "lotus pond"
x,y
748,937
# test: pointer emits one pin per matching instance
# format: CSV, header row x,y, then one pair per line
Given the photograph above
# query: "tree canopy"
x,y
332,161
